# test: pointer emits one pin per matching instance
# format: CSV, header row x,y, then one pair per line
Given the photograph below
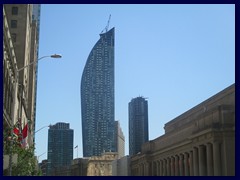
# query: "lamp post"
x,y
40,155
14,102
34,136
42,128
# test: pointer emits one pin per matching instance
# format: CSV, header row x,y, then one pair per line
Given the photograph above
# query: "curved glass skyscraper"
x,y
97,98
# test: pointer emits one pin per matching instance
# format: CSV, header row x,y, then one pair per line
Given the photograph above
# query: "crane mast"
x,y
106,28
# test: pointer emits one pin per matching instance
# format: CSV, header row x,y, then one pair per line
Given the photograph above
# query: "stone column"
x,y
181,173
144,169
202,161
164,167
139,170
160,167
176,165
147,169
209,159
195,162
168,167
186,165
157,168
191,163
172,166
154,168
216,159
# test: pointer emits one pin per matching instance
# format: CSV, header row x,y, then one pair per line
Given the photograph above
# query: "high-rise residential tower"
x,y
60,147
97,98
138,124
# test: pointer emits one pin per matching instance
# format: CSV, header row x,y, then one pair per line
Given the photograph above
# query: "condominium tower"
x,y
138,124
97,98
60,147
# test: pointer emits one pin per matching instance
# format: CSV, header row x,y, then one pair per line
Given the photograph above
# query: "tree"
x,y
26,163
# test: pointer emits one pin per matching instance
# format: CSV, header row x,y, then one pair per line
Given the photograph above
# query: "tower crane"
x,y
106,28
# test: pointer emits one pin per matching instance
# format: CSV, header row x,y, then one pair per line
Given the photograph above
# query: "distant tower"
x,y
138,124
97,98
60,146
120,140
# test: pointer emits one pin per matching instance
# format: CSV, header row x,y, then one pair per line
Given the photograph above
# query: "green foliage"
x,y
27,164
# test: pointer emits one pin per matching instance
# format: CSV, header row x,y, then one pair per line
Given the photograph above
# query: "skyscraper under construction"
x,y
97,98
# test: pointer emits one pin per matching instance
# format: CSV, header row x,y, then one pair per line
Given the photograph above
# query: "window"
x,y
14,10
13,23
14,37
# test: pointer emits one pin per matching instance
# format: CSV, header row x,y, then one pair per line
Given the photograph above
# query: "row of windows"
x,y
14,23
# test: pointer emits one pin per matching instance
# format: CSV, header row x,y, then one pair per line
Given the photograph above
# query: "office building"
x,y
138,124
199,142
60,147
97,98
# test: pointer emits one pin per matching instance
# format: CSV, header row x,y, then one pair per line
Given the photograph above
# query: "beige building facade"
x,y
19,19
121,167
79,167
20,47
120,140
101,165
200,142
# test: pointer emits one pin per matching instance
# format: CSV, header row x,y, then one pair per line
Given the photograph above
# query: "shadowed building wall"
x,y
200,142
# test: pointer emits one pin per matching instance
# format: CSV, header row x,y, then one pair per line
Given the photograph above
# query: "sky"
x,y
176,56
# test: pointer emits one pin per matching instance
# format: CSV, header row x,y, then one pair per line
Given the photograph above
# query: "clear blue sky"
x,y
175,55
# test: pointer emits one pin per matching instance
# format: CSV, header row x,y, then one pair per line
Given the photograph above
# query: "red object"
x,y
16,131
25,131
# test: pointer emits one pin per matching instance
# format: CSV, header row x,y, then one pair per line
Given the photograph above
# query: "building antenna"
x,y
106,28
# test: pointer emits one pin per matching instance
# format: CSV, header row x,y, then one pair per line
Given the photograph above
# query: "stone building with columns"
x,y
200,142
101,165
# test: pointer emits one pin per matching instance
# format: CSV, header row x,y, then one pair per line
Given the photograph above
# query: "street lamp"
x,y
42,128
14,101
51,56
40,155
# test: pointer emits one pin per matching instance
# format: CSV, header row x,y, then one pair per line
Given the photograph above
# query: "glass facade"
x,y
60,147
97,98
138,124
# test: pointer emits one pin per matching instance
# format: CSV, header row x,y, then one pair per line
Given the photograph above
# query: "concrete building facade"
x,y
79,167
19,97
24,39
200,142
101,165
120,140
10,70
121,167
